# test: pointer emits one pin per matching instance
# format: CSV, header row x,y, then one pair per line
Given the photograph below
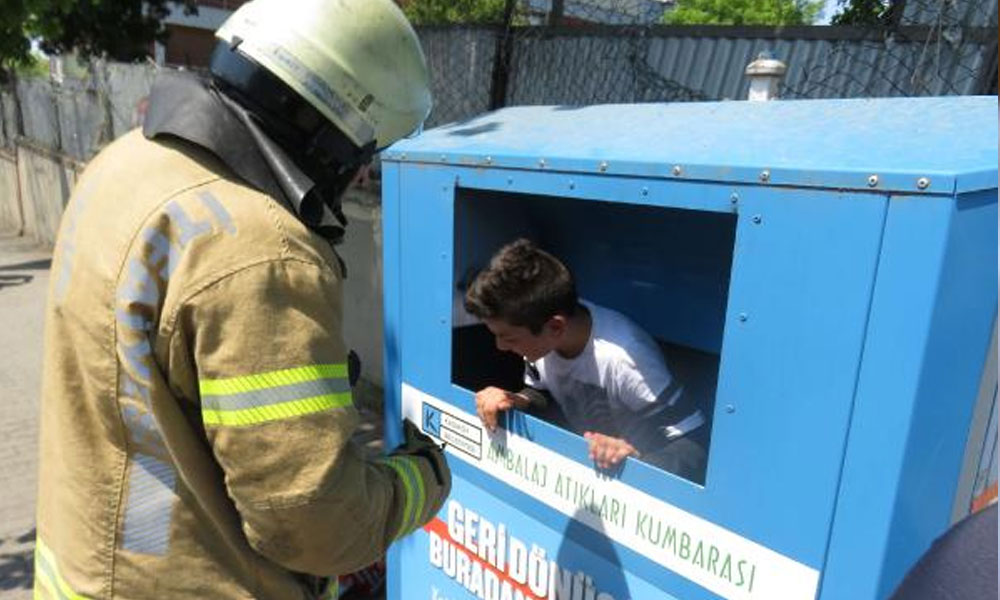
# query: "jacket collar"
x,y
187,106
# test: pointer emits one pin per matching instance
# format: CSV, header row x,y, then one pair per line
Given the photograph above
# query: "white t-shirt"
x,y
616,383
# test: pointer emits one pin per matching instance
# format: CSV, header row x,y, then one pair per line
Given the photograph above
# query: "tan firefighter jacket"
x,y
196,412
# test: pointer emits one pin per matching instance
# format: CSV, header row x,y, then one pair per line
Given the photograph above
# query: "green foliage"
x,y
15,47
865,12
743,12
118,29
435,12
34,66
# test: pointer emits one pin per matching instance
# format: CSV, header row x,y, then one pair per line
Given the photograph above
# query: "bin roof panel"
x,y
941,145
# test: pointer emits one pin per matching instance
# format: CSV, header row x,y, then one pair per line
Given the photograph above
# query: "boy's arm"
x,y
534,391
534,399
492,401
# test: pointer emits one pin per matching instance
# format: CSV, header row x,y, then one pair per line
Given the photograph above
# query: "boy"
x,y
605,373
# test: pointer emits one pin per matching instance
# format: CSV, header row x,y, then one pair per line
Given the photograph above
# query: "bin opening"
x,y
666,269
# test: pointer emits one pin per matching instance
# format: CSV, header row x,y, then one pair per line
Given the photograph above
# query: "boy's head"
x,y
526,297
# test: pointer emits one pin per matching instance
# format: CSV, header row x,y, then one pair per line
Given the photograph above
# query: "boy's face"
x,y
520,340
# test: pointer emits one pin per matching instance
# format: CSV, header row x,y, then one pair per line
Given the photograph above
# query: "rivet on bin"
x,y
872,180
743,317
730,408
489,160
603,166
734,198
765,175
541,163
572,185
923,183
677,171
645,191
757,219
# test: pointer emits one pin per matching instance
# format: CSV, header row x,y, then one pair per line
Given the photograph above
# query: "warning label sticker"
x,y
456,432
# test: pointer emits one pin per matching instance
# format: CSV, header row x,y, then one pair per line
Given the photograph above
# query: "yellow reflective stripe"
x,y
42,579
332,590
275,412
405,520
45,564
421,495
416,494
261,381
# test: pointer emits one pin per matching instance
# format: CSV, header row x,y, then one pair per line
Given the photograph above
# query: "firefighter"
x,y
196,411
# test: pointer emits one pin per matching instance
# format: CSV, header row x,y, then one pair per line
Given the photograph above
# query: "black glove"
x,y
428,458
416,443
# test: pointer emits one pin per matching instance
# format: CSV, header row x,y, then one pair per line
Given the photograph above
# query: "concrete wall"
x,y
45,180
11,220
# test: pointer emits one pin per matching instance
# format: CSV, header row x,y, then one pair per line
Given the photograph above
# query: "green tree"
x,y
117,29
435,12
15,47
867,12
743,12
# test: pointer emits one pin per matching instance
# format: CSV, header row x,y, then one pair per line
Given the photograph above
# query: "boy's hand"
x,y
607,451
491,401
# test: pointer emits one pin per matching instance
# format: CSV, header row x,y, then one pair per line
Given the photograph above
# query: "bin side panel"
x,y
803,274
392,235
935,300
391,238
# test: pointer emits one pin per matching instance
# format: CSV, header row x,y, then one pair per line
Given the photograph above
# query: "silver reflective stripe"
x,y
186,228
220,212
132,320
359,128
275,395
148,509
51,576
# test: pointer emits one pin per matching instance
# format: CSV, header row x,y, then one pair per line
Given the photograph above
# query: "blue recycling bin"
x,y
822,272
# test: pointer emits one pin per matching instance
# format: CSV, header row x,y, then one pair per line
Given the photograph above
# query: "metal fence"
x,y
577,52
616,51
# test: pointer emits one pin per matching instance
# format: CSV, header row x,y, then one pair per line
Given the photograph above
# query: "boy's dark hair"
x,y
524,286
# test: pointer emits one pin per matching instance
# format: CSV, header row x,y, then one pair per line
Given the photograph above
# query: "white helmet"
x,y
357,62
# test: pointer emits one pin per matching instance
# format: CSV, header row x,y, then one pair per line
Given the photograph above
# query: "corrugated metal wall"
x,y
973,13
688,63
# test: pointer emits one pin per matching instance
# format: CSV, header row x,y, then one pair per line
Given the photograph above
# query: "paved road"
x,y
24,279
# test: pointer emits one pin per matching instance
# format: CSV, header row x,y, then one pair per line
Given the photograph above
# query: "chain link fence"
x,y
937,47
578,52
